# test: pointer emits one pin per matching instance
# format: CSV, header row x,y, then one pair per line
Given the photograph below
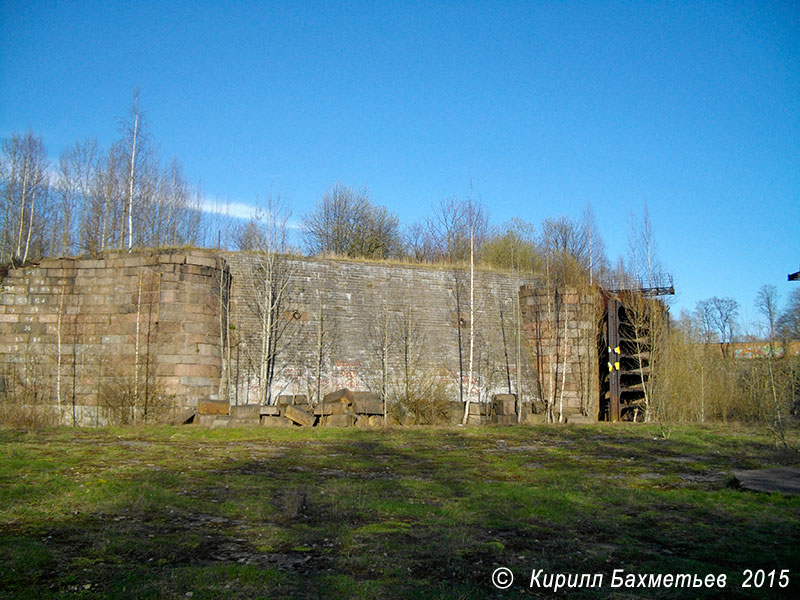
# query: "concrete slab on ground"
x,y
780,479
183,417
212,407
299,416
245,411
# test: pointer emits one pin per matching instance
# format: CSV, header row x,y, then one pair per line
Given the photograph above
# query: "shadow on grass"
x,y
397,515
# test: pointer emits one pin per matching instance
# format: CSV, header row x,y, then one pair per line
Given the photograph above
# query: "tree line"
x,y
701,379
126,196
94,199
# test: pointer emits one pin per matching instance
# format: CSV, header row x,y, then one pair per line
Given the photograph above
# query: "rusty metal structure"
x,y
625,352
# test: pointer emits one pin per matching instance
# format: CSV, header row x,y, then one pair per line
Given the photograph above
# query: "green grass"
x,y
162,512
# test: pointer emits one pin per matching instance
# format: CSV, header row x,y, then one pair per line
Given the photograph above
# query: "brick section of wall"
x,y
71,330
561,327
357,298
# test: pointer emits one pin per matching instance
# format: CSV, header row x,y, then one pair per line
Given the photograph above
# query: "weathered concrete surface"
x,y
298,415
246,411
350,300
576,419
213,407
342,395
183,417
273,421
780,479
340,420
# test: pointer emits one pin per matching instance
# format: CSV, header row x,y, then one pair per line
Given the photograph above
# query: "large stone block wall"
x,y
109,340
561,327
95,337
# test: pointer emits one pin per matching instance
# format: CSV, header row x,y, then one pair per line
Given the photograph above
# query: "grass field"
x,y
164,512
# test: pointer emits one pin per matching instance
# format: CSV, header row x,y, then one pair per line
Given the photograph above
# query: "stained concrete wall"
x,y
357,299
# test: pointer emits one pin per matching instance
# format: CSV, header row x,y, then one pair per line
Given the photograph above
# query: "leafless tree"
x,y
248,236
564,245
105,215
718,316
383,340
325,339
459,294
419,243
346,223
452,227
598,261
788,324
223,290
471,217
269,284
646,316
511,246
77,186
767,305
548,319
133,134
25,183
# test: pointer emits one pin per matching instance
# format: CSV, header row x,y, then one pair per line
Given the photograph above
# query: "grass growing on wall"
x,y
426,513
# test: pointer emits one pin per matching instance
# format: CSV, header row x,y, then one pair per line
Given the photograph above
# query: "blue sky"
x,y
545,107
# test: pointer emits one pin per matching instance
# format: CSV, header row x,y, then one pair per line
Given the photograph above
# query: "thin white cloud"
x,y
239,210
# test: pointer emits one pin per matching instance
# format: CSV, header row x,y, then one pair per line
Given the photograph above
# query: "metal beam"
x,y
612,335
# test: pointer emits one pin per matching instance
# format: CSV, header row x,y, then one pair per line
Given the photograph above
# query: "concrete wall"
x,y
357,300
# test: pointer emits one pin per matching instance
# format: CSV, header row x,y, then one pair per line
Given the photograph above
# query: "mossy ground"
x,y
162,512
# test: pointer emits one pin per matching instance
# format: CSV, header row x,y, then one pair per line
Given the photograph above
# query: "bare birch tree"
x,y
471,217
132,135
383,341
325,339
76,185
269,284
646,317
767,305
25,183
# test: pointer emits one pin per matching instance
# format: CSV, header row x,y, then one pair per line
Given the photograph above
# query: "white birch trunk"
x,y
30,227
22,211
136,351
132,171
58,354
563,371
471,313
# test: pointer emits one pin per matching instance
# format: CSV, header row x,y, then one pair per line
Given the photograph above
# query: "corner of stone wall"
x,y
95,329
569,333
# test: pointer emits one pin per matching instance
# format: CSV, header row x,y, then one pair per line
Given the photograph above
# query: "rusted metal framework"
x,y
627,348
657,285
